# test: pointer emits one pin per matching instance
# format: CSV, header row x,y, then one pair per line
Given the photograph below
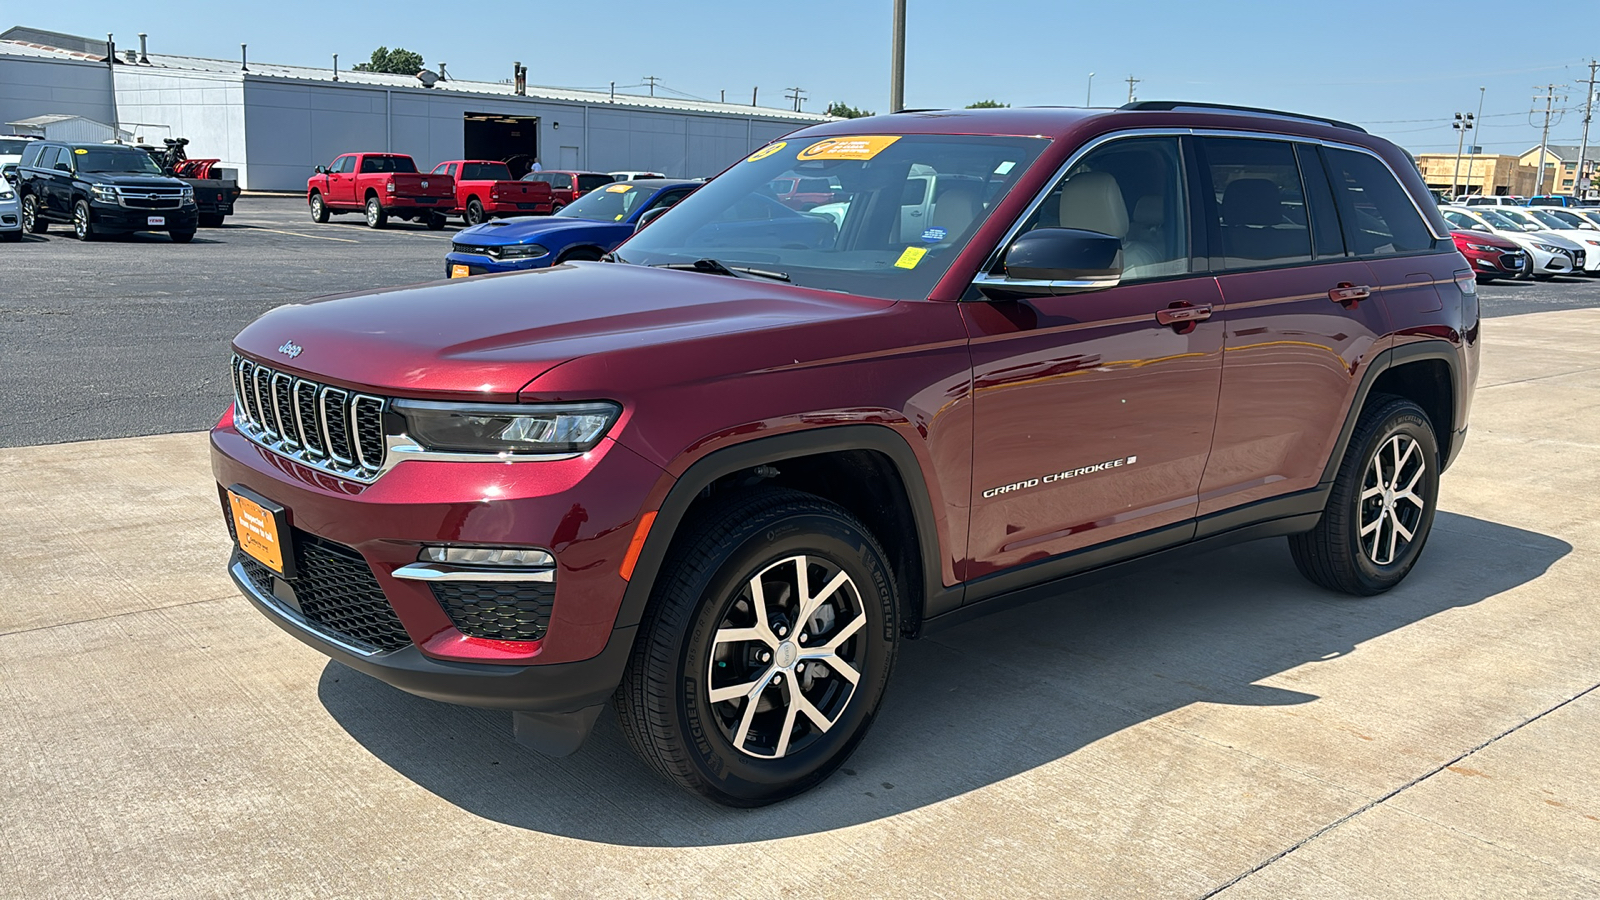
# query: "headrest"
x,y
1093,201
1148,211
1252,201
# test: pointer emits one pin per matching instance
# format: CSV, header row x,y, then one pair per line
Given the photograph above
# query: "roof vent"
x,y
144,56
428,79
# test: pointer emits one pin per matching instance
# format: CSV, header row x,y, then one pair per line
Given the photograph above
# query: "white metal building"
x,y
275,123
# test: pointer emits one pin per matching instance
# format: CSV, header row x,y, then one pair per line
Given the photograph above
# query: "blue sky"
x,y
1386,66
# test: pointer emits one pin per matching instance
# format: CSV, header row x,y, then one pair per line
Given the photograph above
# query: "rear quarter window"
x,y
1378,215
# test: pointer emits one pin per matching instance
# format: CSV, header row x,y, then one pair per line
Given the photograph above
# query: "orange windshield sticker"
x,y
619,188
848,147
766,151
910,258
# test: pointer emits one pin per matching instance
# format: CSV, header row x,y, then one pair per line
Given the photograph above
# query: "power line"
x,y
797,95
652,81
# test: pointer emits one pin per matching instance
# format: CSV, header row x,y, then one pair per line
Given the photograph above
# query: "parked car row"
x,y
1535,242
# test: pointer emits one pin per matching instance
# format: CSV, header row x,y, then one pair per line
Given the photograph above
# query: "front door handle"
x,y
1182,316
1348,294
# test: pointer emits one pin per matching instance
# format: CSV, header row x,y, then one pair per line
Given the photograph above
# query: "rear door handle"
x,y
1349,294
1179,316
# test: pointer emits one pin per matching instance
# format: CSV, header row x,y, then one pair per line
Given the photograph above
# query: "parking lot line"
x,y
316,237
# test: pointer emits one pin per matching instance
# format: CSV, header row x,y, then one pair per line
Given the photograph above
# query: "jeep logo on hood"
x,y
291,349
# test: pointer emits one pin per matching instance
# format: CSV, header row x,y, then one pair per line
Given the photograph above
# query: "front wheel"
x,y
319,209
376,216
32,222
181,237
557,207
83,222
764,655
1381,508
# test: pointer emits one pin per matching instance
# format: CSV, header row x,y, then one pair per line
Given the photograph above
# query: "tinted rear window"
x,y
1378,215
372,164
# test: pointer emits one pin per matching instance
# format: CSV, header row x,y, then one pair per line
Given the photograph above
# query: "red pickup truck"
x,y
380,185
486,190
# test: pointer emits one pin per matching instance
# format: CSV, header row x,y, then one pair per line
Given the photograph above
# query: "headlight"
x,y
1483,248
1548,248
186,192
7,195
504,428
104,192
521,251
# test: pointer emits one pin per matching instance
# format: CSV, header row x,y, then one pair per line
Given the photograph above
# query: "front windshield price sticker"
x,y
910,258
80,151
766,151
619,188
848,147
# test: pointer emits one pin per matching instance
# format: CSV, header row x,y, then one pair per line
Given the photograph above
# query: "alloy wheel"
x,y
80,221
30,213
1389,508
787,657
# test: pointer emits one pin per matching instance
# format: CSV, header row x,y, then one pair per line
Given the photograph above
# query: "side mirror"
x,y
322,170
648,216
1055,261
9,171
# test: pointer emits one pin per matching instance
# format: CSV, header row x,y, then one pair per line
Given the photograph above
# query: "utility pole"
x,y
796,95
897,59
652,81
1462,125
753,92
1131,82
1544,137
1583,147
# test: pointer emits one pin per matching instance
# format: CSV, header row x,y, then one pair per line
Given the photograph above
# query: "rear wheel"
x,y
763,657
83,222
319,209
1382,505
557,207
475,214
376,216
32,222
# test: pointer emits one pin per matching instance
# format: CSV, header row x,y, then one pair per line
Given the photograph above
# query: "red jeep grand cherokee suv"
x,y
720,479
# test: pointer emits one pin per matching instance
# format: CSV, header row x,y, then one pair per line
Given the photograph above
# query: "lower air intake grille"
x,y
501,611
336,592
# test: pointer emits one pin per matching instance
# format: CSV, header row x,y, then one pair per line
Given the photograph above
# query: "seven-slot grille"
x,y
318,425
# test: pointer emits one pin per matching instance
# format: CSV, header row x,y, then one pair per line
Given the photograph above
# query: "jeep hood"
x,y
486,337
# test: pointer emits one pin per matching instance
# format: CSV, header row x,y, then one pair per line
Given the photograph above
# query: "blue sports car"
x,y
590,227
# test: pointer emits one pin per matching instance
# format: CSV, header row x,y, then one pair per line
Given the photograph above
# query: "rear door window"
x,y
47,157
1378,216
1257,209
1327,240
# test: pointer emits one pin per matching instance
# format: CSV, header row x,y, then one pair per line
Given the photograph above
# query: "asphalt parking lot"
x,y
130,337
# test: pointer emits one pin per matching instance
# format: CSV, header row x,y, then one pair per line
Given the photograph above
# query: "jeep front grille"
x,y
317,425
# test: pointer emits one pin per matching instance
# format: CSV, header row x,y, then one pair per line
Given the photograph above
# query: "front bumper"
x,y
582,509
484,265
114,217
557,688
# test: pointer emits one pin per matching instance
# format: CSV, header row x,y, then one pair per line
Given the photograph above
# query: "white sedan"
x,y
1587,239
1548,255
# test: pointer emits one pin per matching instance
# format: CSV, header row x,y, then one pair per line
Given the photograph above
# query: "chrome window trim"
x,y
434,572
1034,285
276,607
1130,133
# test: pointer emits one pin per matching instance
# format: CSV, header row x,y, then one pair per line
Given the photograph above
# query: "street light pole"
x,y
1462,125
897,59
1088,97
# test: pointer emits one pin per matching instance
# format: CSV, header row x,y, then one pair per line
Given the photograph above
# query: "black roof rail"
x,y
1164,105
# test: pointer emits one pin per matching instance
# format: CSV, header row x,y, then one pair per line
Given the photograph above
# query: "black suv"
x,y
102,189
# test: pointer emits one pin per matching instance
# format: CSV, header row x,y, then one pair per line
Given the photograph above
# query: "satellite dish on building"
x,y
428,79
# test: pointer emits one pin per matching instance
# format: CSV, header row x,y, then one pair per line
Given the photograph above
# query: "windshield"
x,y
612,203
1497,220
116,160
1550,221
1573,220
12,146
842,214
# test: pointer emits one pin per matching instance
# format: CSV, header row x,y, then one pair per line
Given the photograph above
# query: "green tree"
x,y
988,104
844,111
398,61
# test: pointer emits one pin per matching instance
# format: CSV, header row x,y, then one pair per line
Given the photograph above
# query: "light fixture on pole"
x,y
1462,125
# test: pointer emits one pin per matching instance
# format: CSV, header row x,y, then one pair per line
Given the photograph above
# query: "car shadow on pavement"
x,y
968,707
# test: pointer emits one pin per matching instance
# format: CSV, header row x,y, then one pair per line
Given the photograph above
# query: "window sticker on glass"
x,y
620,188
910,258
1005,168
766,151
848,147
80,151
934,235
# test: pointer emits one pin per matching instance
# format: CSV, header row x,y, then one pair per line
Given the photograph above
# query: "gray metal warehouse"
x,y
275,123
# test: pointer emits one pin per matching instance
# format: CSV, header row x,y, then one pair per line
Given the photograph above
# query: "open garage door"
x,y
513,140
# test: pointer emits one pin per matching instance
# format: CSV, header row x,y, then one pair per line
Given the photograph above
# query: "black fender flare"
x,y
759,451
1390,359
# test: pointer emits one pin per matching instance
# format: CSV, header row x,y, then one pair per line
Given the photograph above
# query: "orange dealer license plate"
x,y
459,271
263,529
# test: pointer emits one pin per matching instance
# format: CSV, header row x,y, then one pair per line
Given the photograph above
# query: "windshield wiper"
x,y
718,267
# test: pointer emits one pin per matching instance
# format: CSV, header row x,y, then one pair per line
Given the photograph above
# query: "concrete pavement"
x,y
1210,727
